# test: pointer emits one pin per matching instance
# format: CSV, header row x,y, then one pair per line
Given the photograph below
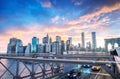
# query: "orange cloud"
x,y
95,16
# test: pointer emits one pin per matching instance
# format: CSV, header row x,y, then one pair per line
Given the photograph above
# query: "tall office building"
x,y
56,47
58,38
19,47
35,42
88,45
70,39
50,40
83,39
28,49
94,40
11,49
67,45
62,47
46,39
41,48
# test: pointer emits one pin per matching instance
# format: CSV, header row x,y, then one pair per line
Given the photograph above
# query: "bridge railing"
x,y
34,69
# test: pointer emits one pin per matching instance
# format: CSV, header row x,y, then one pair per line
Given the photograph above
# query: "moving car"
x,y
96,68
74,73
86,66
108,65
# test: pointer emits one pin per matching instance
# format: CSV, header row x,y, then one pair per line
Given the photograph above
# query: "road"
x,y
87,73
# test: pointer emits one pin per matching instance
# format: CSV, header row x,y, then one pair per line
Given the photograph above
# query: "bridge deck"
x,y
117,59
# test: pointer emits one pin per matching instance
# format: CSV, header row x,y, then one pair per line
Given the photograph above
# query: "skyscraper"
x,y
56,47
11,49
28,49
46,40
58,38
70,39
41,48
50,40
15,46
35,42
62,47
94,40
88,45
83,39
19,46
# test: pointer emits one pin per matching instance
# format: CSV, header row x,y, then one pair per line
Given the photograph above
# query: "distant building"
x,y
11,49
28,49
83,39
50,40
62,47
88,45
47,48
70,39
19,47
93,40
56,47
35,42
79,45
46,39
20,50
67,45
40,48
58,38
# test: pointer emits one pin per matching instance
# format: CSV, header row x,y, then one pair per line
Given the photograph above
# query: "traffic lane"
x,y
85,74
104,75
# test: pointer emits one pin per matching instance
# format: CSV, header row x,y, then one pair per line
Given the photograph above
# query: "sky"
x,y
24,19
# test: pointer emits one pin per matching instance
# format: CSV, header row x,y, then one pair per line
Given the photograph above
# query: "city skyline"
x,y
66,18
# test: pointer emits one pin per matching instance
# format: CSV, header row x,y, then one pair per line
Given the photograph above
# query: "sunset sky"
x,y
24,19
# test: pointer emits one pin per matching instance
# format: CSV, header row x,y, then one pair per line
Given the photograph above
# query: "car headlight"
x,y
68,74
74,75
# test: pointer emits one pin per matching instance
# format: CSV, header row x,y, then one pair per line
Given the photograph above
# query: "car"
x,y
108,65
74,73
96,68
86,66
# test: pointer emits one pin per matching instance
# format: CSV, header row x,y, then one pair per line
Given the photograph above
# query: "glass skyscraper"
x,y
94,40
83,39
35,42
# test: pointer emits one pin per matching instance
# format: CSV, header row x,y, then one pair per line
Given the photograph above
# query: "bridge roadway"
x,y
93,62
117,59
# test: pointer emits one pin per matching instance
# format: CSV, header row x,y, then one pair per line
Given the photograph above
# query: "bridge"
x,y
56,64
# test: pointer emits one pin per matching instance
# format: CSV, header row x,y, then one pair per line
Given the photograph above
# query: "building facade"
x,y
35,42
93,40
83,39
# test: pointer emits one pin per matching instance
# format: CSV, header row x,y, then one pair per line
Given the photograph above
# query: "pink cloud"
x,y
77,3
46,4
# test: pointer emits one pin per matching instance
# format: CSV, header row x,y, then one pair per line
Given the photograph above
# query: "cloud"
x,y
46,4
77,3
95,15
55,19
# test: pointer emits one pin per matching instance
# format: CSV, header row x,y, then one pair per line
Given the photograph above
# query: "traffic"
x,y
82,70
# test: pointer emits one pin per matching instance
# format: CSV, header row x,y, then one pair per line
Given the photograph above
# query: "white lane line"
x,y
103,74
97,74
